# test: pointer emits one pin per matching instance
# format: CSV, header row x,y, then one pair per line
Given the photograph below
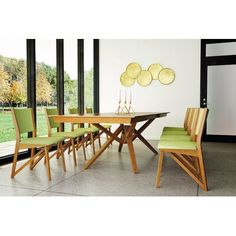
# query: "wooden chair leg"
x,y
108,136
77,145
14,160
68,150
159,169
31,155
47,163
196,163
62,156
84,150
92,142
73,149
99,139
202,170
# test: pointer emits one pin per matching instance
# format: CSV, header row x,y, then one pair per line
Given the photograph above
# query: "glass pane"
x,y
221,49
221,98
46,82
13,89
88,73
70,76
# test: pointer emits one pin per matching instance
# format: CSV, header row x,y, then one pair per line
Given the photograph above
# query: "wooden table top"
x,y
109,117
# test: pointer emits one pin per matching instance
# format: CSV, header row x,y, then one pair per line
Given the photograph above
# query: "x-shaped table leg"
x,y
112,137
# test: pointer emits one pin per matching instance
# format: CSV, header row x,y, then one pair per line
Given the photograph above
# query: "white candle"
x,y
130,97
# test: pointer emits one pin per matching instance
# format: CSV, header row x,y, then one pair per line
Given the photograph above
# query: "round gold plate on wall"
x,y
166,76
144,78
133,70
125,80
155,70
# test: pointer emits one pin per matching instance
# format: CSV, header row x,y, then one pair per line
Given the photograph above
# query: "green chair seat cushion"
x,y
73,134
80,131
42,141
91,129
175,137
180,145
173,129
106,126
175,132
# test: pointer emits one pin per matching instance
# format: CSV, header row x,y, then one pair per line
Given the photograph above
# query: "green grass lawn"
x,y
7,130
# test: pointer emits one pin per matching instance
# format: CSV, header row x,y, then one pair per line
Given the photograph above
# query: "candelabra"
x,y
125,109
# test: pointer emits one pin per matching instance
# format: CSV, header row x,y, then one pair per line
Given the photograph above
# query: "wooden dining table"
x,y
126,132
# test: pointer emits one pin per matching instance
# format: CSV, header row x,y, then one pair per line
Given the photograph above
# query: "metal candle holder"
x,y
125,109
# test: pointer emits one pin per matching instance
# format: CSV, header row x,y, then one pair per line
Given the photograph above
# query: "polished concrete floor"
x,y
111,175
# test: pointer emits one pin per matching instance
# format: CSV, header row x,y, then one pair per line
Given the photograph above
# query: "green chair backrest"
x,y
186,118
23,119
73,111
49,112
194,119
89,110
190,117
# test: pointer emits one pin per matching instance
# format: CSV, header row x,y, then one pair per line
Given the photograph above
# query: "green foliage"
x,y
88,88
43,89
50,73
70,93
4,86
15,88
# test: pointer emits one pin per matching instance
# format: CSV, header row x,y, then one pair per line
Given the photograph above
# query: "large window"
x,y
70,76
13,89
46,81
46,59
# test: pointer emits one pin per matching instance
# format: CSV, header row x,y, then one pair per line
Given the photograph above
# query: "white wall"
x,y
183,56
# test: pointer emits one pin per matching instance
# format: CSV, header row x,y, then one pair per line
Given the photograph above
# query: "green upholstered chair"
x,y
183,136
89,110
186,153
24,122
55,130
91,131
186,127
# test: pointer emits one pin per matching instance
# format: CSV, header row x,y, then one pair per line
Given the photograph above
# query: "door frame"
x,y
209,61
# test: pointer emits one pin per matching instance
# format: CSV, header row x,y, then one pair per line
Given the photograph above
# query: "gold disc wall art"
x,y
144,78
126,80
155,70
166,76
133,70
